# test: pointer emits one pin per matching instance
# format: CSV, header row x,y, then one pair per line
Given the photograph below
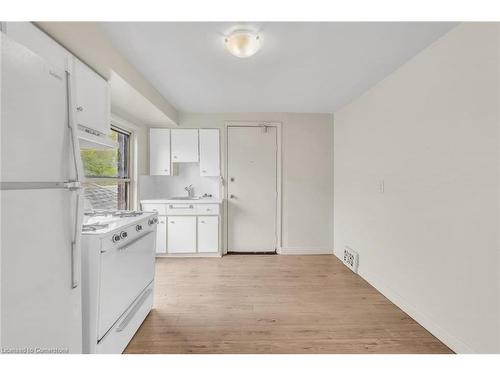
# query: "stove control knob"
x,y
123,235
116,237
155,220
138,227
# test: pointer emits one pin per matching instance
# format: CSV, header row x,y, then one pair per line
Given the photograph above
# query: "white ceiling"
x,y
302,67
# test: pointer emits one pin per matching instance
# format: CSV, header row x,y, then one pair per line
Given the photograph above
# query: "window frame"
x,y
128,160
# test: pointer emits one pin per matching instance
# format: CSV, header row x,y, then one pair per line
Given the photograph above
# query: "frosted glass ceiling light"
x,y
243,43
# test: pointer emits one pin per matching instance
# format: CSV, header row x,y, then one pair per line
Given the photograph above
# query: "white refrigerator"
x,y
41,207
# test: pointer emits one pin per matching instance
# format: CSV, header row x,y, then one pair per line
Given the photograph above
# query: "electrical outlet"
x,y
351,259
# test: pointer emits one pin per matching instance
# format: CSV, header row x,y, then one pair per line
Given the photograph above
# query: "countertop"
x,y
182,201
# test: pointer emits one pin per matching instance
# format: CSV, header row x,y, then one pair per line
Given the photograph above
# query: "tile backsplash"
x,y
161,187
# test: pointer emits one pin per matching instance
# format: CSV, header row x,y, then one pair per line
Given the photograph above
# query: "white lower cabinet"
x,y
161,235
181,234
208,234
186,228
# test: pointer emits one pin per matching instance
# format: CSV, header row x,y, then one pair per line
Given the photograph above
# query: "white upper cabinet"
x,y
209,152
159,152
92,98
185,145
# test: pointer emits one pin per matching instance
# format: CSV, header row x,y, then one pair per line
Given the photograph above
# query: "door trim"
x,y
278,126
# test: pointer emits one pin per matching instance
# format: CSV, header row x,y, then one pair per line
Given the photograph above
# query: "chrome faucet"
x,y
190,191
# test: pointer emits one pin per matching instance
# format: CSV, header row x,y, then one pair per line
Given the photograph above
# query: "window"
x,y
108,174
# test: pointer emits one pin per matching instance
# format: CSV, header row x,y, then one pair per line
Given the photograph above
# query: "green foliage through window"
x,y
108,163
113,192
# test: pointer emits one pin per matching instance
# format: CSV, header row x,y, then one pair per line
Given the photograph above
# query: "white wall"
x,y
430,241
308,183
307,189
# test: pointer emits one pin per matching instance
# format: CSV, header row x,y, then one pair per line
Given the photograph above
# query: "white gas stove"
x,y
99,222
118,253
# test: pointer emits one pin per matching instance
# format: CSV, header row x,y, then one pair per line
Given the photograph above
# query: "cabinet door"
x,y
181,235
92,99
159,152
161,235
208,234
185,145
209,152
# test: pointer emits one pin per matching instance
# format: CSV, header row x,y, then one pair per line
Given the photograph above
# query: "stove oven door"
x,y
125,272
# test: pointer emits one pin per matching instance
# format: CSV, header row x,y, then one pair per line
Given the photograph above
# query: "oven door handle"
x,y
133,311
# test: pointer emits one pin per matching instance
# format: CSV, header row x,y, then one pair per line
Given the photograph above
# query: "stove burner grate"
x,y
127,213
114,213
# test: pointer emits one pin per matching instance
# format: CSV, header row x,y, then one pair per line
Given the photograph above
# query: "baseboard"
x,y
304,251
190,255
454,343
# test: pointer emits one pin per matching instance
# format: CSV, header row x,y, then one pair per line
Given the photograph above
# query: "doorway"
x,y
252,188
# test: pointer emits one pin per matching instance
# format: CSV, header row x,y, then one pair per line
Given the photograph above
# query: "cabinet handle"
x,y
172,222
202,222
79,108
180,207
204,171
175,156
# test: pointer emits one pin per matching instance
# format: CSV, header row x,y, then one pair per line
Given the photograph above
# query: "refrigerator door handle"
x,y
76,241
79,174
75,186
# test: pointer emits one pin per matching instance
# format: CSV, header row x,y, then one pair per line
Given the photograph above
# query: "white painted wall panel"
x,y
430,133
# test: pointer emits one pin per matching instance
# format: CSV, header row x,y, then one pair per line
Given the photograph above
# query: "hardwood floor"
x,y
273,304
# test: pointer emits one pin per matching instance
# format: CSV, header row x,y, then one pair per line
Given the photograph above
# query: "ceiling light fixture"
x,y
243,43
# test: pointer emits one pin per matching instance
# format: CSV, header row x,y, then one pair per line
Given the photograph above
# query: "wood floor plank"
x,y
273,304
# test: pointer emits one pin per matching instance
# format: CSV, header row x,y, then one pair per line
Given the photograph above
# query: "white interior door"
x,y
252,188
